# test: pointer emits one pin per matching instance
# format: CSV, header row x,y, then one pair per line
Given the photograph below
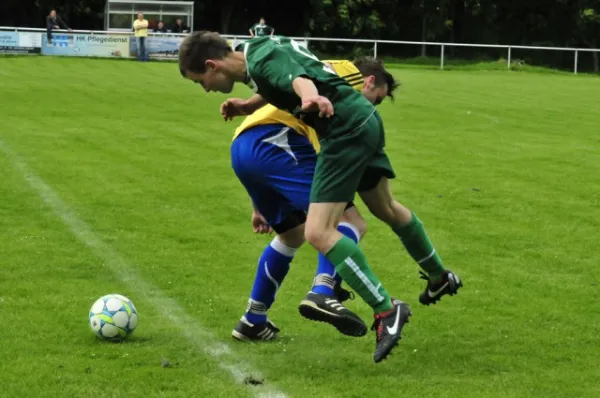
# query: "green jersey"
x,y
272,65
261,29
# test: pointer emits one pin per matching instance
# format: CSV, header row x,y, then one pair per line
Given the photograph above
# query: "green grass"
x,y
502,167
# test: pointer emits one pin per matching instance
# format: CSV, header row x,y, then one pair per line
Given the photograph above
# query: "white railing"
x,y
442,46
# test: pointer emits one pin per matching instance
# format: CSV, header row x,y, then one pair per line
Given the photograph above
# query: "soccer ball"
x,y
113,317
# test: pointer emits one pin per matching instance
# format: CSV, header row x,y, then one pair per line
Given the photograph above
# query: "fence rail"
x,y
375,43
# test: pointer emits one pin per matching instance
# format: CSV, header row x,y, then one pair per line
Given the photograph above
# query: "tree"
x,y
588,22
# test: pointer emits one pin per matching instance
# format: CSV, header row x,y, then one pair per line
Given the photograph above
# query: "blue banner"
x,y
158,47
116,46
20,43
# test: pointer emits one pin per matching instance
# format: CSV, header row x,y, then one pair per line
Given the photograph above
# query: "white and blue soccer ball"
x,y
113,317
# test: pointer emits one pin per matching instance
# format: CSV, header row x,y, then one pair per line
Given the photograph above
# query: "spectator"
x,y
160,28
261,29
140,27
180,27
54,22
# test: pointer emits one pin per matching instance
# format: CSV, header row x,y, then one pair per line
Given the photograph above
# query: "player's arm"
x,y
254,103
311,100
259,223
279,68
233,107
304,87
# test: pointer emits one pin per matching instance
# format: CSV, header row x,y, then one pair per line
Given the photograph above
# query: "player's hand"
x,y
259,224
318,104
233,107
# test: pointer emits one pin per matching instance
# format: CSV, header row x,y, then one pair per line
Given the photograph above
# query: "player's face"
x,y
375,94
212,80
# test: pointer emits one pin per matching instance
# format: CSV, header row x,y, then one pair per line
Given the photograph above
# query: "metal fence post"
x,y
375,50
509,56
442,58
576,61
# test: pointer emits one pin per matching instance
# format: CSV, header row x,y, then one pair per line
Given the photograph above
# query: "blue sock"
x,y
326,277
273,266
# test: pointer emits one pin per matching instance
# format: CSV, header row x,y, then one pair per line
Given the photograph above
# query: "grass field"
x,y
115,177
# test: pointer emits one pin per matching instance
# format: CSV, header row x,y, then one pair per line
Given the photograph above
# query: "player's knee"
x,y
319,238
361,226
293,238
358,225
313,236
356,222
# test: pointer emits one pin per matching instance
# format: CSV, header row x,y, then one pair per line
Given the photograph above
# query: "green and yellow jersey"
x,y
274,62
269,114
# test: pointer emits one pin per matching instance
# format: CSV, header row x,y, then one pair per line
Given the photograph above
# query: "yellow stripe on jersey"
x,y
346,70
269,114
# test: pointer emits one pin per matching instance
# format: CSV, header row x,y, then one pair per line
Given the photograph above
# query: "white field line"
x,y
198,337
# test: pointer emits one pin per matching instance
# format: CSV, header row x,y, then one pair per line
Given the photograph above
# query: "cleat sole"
x,y
345,325
239,337
245,339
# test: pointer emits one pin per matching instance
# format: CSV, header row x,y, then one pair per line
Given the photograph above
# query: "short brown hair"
x,y
369,66
199,47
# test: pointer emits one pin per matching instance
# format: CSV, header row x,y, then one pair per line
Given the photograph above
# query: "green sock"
x,y
420,248
351,264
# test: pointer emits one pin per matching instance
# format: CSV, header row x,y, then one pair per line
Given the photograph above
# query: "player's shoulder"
x,y
347,71
264,47
256,43
343,67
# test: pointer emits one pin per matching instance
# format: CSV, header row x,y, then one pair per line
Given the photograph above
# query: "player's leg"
x,y
253,162
273,266
327,281
323,303
294,184
376,193
342,161
349,260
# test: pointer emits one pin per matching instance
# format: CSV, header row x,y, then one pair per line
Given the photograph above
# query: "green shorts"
x,y
351,162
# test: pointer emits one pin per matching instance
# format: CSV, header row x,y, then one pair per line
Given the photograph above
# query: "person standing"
x,y
261,29
140,27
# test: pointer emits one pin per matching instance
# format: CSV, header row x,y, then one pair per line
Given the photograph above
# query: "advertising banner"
x,y
158,47
20,43
115,46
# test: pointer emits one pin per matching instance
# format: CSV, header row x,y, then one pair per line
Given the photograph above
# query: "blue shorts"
x,y
276,166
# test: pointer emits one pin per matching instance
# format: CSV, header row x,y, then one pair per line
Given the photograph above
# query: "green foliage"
x,y
556,23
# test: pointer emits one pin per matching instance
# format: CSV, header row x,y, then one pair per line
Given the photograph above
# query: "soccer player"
x,y
261,29
351,159
273,156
